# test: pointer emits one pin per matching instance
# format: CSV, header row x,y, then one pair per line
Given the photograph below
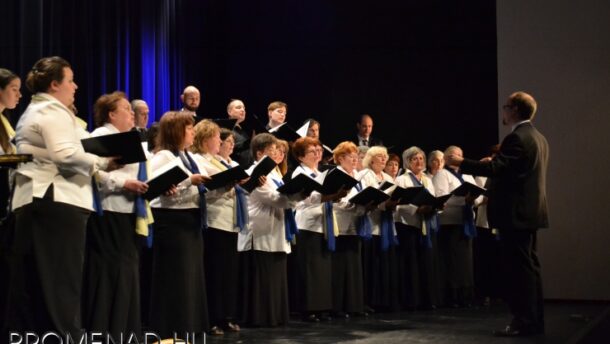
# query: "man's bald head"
x,y
191,97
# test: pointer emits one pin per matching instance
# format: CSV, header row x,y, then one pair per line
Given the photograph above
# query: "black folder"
x,y
335,180
263,168
285,132
406,195
164,181
385,185
370,195
467,188
227,123
300,183
227,177
127,145
425,198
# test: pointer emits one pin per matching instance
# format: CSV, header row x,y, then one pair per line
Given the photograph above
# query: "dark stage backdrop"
x,y
425,70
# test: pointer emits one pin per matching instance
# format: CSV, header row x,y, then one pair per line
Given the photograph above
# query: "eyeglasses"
x,y
314,151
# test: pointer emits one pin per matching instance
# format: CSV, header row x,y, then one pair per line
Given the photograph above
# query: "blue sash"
x,y
290,224
140,203
470,230
364,225
431,222
388,238
241,205
203,207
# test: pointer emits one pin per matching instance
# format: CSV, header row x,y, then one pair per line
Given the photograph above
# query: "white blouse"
x,y
444,183
309,212
50,132
221,203
406,214
114,196
368,178
346,212
266,230
187,196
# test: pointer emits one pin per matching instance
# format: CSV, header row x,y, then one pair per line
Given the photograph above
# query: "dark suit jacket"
x,y
373,141
517,190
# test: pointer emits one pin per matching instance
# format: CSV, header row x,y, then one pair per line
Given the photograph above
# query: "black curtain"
x,y
425,70
132,46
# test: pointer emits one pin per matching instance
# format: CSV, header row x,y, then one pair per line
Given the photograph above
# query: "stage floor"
x,y
566,322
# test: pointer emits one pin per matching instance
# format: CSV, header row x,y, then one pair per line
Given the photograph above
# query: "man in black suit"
x,y
517,206
140,111
365,128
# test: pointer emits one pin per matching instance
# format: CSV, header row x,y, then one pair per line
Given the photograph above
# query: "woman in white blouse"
x,y
266,243
436,162
224,222
178,295
112,261
347,283
417,228
315,240
380,275
456,232
52,201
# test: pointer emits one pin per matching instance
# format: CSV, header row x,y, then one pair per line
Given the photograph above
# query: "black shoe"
x,y
369,310
324,317
340,315
512,331
360,314
312,318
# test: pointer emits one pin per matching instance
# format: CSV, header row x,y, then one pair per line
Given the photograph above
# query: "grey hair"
x,y
450,149
136,103
409,153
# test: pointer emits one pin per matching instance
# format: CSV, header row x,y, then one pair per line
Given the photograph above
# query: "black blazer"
x,y
373,141
517,189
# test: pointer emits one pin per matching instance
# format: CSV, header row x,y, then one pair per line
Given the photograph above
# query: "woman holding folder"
x,y
347,283
379,259
178,296
266,243
417,228
52,201
457,230
316,221
111,286
227,215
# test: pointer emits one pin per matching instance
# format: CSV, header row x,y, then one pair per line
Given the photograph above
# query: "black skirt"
x,y
264,301
315,266
455,252
178,294
380,276
347,280
47,267
408,265
486,264
111,290
222,274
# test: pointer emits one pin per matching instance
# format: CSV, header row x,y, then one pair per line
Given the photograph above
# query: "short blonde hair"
x,y
276,105
204,130
343,148
372,152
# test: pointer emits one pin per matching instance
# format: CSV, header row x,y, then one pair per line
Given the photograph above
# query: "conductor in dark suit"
x,y
517,206
365,128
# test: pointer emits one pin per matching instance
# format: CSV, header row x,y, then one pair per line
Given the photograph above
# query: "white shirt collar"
x,y
518,124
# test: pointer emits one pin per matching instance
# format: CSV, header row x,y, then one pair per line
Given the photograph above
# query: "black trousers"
x,y
522,281
47,268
